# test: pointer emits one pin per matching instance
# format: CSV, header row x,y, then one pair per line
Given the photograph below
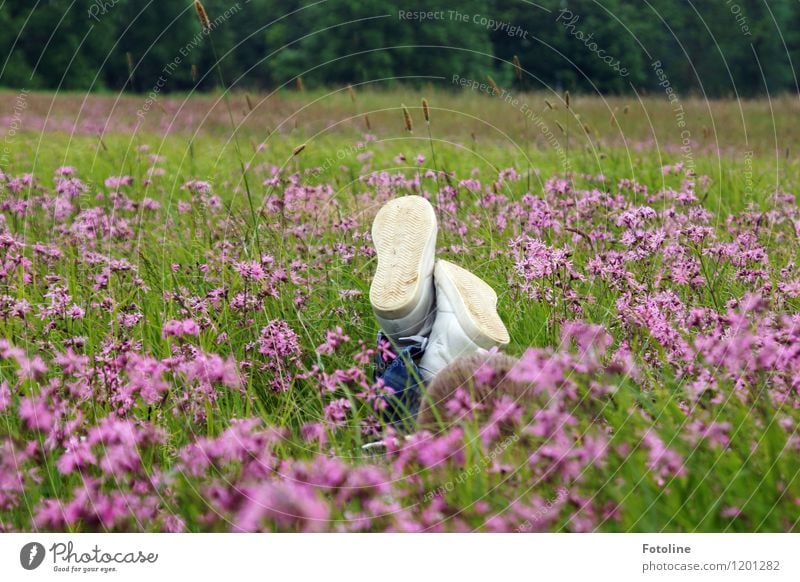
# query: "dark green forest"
x,y
709,47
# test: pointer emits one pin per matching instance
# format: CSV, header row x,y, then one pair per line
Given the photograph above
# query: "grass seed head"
x,y
517,68
425,111
202,15
495,88
407,118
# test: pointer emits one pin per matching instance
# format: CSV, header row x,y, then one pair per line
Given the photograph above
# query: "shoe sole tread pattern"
x,y
478,302
401,234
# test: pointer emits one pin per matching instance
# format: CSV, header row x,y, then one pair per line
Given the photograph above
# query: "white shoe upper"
x,y
417,323
466,319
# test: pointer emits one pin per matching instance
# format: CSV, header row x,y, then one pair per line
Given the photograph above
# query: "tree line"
x,y
714,48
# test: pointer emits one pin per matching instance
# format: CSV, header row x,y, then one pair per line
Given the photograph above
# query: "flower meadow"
x,y
185,349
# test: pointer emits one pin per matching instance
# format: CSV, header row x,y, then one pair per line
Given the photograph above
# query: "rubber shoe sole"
x,y
475,304
404,235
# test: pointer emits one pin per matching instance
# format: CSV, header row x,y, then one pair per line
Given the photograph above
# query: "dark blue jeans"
x,y
402,375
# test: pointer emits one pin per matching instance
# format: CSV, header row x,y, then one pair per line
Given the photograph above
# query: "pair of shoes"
x,y
415,295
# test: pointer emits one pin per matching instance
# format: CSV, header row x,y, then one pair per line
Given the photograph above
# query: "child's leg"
x,y
420,335
398,371
403,299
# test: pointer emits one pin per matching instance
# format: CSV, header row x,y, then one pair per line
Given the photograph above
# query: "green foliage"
x,y
725,48
362,41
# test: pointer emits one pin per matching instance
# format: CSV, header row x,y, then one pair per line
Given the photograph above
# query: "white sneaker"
x,y
402,293
466,319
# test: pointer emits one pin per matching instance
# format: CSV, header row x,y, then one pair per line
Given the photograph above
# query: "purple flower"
x,y
115,182
37,413
279,341
333,340
664,463
78,454
175,328
337,411
283,506
5,396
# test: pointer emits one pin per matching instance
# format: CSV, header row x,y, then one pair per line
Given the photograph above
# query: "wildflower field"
x,y
187,342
